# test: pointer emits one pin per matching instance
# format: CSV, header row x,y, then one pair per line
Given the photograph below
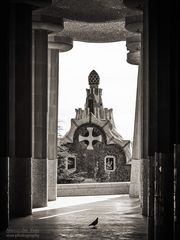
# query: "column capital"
x,y
134,57
134,4
61,43
134,23
49,22
133,45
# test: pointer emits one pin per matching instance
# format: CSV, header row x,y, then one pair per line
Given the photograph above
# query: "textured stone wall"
x,y
86,160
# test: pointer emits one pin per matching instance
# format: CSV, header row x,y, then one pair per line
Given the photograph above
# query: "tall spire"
x,y
94,104
93,79
93,99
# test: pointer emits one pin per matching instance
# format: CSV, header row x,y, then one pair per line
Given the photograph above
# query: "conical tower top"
x,y
93,78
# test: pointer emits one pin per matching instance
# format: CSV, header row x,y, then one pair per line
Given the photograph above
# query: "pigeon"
x,y
94,223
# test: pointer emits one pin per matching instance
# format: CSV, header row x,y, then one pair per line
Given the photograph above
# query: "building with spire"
x,y
34,32
100,151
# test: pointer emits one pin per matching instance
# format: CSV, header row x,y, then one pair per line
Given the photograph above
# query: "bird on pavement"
x,y
94,223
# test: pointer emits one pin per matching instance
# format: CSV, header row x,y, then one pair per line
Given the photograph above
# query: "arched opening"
x,y
118,82
157,131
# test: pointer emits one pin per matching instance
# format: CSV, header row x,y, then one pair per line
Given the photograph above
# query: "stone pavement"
x,y
68,218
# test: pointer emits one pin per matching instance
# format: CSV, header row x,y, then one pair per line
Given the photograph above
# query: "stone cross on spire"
x,y
90,138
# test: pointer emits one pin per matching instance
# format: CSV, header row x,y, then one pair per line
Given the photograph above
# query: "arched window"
x,y
91,105
71,163
109,163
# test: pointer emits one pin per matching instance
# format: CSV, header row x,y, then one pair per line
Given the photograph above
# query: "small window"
x,y
91,105
71,164
109,163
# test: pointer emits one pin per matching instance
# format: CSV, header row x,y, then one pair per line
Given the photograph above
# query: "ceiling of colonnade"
x,y
97,21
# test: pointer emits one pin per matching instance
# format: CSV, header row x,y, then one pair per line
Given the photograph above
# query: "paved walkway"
x,y
68,218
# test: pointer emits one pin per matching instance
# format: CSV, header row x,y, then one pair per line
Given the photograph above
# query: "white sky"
x,y
118,79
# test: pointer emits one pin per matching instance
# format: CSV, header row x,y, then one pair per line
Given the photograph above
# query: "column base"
x,y
52,179
39,183
144,186
134,189
4,188
20,187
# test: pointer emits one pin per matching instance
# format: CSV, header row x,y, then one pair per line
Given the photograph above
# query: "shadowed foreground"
x,y
68,218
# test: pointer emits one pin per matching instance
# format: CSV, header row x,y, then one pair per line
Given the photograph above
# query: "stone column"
x,y
135,25
162,68
20,34
4,128
39,122
176,116
134,190
176,190
15,105
56,44
133,44
161,77
41,25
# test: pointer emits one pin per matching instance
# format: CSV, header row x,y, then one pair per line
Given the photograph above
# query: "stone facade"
x,y
99,150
